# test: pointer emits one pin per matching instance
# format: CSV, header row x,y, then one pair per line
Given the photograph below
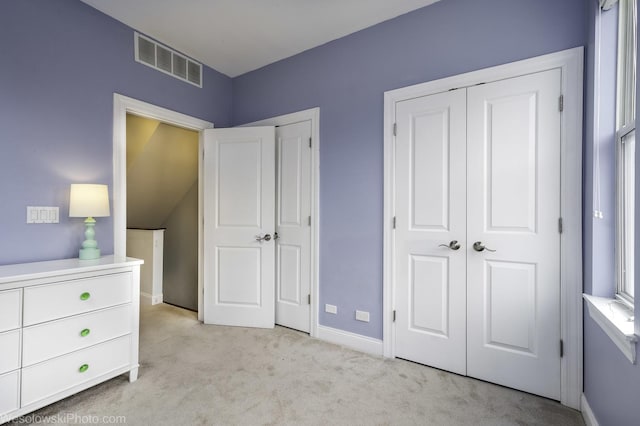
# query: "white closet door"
x,y
293,209
239,208
513,207
430,170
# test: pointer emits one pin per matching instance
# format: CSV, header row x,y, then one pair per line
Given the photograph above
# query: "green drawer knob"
x,y
85,296
83,368
85,332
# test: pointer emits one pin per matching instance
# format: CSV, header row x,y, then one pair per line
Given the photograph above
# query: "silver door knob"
x,y
267,237
478,246
453,245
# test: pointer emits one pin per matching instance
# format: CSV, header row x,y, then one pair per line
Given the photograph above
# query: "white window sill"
x,y
614,319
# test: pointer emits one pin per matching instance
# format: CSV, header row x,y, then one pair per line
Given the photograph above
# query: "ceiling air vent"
x,y
162,58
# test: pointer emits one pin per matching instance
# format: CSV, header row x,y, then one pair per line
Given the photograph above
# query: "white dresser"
x,y
65,325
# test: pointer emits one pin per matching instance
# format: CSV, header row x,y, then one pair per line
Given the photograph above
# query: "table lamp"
x,y
88,200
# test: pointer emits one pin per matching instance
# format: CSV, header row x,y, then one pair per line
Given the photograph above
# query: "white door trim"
x,y
121,106
571,63
312,114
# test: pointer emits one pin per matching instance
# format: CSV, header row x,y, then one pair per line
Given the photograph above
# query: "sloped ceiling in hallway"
x,y
162,165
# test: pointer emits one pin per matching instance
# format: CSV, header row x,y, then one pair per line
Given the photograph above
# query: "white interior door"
x,y
293,211
481,166
239,209
431,230
514,208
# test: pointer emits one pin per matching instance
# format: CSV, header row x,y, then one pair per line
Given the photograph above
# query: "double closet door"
x,y
477,243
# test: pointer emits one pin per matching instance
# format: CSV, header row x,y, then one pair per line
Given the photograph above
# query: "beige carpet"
x,y
194,374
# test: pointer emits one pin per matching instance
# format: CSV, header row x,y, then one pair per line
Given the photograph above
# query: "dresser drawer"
x,y
53,301
51,339
9,351
9,392
10,309
56,375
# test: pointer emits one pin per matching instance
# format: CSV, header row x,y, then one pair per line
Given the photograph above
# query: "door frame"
x,y
123,105
571,64
312,114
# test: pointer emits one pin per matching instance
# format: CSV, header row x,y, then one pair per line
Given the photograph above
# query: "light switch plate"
x,y
39,214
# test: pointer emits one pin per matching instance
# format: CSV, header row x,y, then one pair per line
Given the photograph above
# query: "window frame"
x,y
625,212
625,127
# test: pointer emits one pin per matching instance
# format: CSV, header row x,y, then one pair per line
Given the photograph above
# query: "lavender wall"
x,y
611,382
347,78
61,63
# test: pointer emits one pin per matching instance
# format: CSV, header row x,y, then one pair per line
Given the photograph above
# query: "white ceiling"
x,y
238,36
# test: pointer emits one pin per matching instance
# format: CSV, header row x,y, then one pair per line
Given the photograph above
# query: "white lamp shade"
x,y
89,200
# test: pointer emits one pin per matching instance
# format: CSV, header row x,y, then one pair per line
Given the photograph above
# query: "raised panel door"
x,y
239,194
293,209
430,170
513,206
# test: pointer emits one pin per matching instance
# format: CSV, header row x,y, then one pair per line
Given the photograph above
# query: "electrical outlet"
x,y
332,309
362,316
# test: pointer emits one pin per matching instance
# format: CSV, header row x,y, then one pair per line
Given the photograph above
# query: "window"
x,y
625,147
617,28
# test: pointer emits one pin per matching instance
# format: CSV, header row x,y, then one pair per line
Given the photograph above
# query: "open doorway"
x,y
162,209
122,106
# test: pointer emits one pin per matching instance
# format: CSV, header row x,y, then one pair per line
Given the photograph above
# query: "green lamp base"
x,y
89,250
89,253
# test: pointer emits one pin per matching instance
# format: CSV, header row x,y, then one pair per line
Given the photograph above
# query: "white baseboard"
x,y
587,414
148,299
350,340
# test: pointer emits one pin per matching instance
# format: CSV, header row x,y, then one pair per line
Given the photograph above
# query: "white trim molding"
x,y
570,62
587,413
312,114
616,321
350,340
123,105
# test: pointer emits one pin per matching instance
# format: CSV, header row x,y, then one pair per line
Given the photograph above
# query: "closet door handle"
x,y
478,246
453,245
267,237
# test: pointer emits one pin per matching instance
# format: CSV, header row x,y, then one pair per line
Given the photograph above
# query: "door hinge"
x,y
309,142
309,299
561,348
561,103
560,225
394,315
395,129
394,222
309,220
